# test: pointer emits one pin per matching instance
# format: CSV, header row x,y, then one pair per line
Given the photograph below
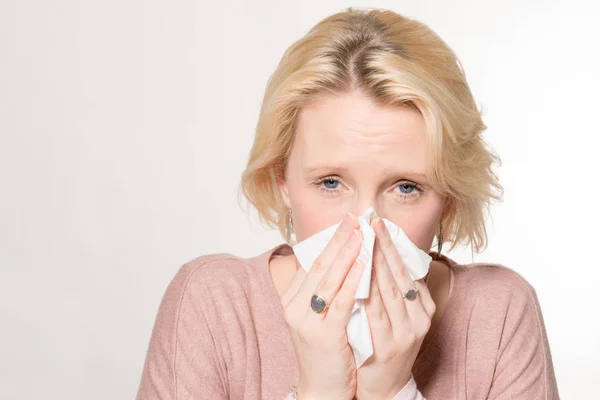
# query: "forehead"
x,y
351,129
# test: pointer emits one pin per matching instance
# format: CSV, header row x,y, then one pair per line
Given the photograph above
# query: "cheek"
x,y
309,221
422,225
311,215
421,231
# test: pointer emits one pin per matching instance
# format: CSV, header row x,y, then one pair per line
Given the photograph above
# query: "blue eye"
x,y
328,185
410,190
407,187
331,182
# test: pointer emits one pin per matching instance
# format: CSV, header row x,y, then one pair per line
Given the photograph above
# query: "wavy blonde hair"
x,y
396,61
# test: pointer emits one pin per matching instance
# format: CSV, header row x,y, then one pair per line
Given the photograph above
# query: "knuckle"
x,y
378,316
387,292
401,275
290,317
339,239
342,253
386,242
341,304
425,326
349,245
375,291
345,256
326,286
432,308
318,265
411,338
287,315
341,234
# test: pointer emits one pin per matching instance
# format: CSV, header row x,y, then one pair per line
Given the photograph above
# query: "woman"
x,y
368,109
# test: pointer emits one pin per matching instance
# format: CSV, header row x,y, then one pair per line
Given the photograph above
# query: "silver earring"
x,y
440,240
288,232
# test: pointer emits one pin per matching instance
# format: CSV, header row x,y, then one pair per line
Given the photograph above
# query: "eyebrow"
x,y
345,170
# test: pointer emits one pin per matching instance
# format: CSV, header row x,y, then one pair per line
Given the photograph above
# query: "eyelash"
x,y
332,192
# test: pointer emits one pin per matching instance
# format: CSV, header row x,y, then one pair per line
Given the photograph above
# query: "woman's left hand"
x,y
398,325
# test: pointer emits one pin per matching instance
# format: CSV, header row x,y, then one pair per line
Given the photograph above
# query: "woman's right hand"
x,y
326,364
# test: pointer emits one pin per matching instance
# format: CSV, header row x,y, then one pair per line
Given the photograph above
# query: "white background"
x,y
125,126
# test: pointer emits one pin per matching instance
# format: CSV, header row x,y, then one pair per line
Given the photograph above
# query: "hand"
x,y
398,325
326,363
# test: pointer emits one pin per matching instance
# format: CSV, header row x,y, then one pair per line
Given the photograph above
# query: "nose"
x,y
362,206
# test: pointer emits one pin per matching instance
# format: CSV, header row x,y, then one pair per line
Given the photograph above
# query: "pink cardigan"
x,y
220,334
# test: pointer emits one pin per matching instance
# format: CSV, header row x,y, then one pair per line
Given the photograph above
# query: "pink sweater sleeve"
x,y
524,369
182,361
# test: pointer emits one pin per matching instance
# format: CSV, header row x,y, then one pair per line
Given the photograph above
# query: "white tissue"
x,y
416,260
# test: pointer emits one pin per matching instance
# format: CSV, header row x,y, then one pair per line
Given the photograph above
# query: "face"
x,y
350,154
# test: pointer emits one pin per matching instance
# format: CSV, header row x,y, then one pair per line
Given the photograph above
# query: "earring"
x,y
288,232
440,240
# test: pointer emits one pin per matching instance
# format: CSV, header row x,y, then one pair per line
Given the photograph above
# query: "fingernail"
x,y
376,221
352,218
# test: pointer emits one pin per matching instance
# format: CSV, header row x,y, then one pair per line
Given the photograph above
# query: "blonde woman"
x,y
368,109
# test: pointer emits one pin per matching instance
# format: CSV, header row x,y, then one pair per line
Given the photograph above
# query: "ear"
x,y
283,190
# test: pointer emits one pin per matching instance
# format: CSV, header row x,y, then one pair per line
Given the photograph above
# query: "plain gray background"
x,y
125,126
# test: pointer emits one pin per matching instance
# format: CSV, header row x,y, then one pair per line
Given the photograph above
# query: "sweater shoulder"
x,y
490,293
494,280
495,303
214,275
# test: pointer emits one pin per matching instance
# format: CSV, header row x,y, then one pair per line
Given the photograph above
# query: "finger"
x,y
414,308
422,320
390,295
326,258
379,321
425,297
329,286
374,302
294,286
342,304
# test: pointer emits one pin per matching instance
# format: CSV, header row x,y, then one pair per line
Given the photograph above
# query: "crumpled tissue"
x,y
416,260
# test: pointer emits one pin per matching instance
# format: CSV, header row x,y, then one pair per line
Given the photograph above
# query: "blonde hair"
x,y
394,60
